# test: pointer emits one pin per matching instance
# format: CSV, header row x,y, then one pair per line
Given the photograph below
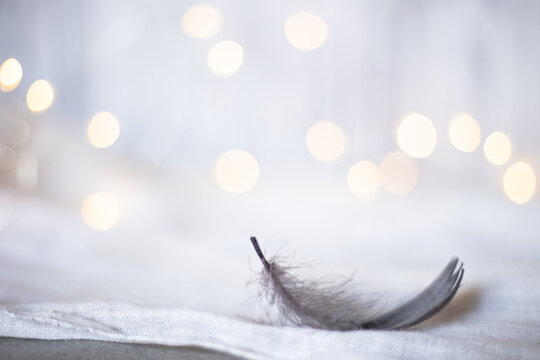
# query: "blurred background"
x,y
143,143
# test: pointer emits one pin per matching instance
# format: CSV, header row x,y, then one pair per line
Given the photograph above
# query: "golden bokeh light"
x,y
464,132
399,173
225,58
326,141
237,171
363,179
100,211
202,21
103,130
306,31
497,148
519,182
417,136
11,73
40,96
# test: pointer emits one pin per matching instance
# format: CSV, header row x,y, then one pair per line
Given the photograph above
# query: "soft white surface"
x,y
483,338
60,280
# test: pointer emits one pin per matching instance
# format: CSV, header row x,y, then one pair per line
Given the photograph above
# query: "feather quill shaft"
x,y
326,304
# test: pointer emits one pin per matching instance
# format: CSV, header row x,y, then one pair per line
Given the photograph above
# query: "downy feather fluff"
x,y
327,304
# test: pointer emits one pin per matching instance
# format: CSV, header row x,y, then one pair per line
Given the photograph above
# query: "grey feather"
x,y
327,304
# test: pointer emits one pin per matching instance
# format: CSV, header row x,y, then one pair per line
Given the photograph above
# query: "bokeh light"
x,y
19,133
40,96
363,179
11,73
497,148
100,211
326,141
225,58
306,31
103,130
7,157
236,171
519,182
27,172
417,136
464,132
202,21
399,173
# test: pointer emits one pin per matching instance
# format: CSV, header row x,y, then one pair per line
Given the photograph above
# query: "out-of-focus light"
x,y
225,58
27,171
306,31
417,136
100,211
399,173
236,171
464,132
7,157
497,148
326,141
19,133
363,179
202,21
103,130
11,73
40,96
519,182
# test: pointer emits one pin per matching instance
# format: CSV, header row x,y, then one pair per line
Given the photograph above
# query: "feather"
x,y
327,304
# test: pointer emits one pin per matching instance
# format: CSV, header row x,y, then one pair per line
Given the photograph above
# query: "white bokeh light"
x,y
416,136
7,157
497,148
11,73
100,211
236,171
464,132
399,173
306,31
519,182
225,58
326,141
202,21
27,171
103,130
40,96
19,133
363,179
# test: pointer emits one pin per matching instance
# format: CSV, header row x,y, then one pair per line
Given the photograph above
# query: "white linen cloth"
x,y
133,324
60,281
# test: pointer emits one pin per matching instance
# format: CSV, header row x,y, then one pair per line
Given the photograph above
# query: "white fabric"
x,y
128,323
61,280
